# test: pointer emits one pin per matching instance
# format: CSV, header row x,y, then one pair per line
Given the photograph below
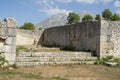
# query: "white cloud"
x,y
118,11
52,11
106,1
65,1
87,1
44,2
94,1
117,4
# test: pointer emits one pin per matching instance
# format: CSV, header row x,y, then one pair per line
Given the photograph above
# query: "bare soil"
x,y
66,72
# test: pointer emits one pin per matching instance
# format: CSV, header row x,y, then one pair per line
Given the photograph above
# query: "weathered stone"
x,y
11,57
9,48
111,63
10,41
10,22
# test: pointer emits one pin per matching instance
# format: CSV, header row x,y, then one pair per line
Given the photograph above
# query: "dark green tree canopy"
x,y
115,17
73,18
28,26
87,18
97,17
107,14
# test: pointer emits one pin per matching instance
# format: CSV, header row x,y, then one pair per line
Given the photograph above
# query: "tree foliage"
x,y
73,18
115,17
87,18
28,26
97,17
107,14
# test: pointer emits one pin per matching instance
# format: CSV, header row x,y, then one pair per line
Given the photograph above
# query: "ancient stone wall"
x,y
8,39
110,38
27,37
83,36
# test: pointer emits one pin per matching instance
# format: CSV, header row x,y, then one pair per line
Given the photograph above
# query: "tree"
x,y
73,18
87,18
107,14
115,17
97,17
28,26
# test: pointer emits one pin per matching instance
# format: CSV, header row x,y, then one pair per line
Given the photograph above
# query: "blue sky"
x,y
37,10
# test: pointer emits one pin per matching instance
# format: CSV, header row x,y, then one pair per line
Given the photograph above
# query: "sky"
x,y
36,11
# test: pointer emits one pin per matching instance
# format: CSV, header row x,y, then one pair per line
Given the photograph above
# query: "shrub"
x,y
3,61
87,18
73,18
28,26
107,14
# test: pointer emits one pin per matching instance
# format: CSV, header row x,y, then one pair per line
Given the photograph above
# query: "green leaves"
x,y
107,14
73,18
28,26
87,18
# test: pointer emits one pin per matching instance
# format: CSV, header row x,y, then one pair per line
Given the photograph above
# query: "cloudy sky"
x,y
37,10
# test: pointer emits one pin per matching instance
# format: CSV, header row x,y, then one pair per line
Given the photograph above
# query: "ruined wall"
x,y
8,39
110,38
84,36
27,37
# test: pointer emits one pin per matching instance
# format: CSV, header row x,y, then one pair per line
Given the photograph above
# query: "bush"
x,y
97,17
3,61
107,14
73,18
87,18
115,17
28,26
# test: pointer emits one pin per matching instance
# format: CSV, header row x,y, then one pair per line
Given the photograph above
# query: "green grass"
x,y
57,78
9,73
21,48
33,76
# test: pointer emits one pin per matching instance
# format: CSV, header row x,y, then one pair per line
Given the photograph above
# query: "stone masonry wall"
x,y
101,37
81,36
27,37
110,38
8,39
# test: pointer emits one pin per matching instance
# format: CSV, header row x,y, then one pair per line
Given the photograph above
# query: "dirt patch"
x,y
68,72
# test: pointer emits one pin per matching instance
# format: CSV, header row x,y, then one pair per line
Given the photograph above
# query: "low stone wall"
x,y
27,37
38,58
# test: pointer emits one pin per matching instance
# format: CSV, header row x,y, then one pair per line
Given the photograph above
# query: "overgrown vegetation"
x,y
87,18
3,61
73,18
108,59
28,26
21,48
98,17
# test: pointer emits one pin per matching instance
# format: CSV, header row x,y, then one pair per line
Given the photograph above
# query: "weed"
x,y
33,76
9,73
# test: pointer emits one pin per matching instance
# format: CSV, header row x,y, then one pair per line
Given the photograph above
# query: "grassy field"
x,y
67,72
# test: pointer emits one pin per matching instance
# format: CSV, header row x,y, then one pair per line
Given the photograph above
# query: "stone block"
x,y
8,32
10,41
103,38
10,57
10,22
111,63
9,48
104,24
106,31
11,32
